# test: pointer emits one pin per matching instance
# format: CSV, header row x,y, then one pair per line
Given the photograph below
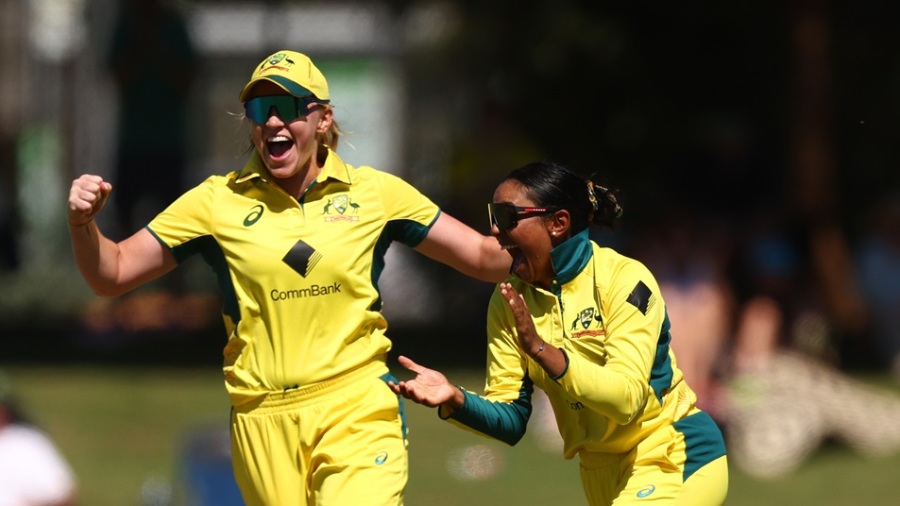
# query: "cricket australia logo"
x,y
341,208
585,317
276,59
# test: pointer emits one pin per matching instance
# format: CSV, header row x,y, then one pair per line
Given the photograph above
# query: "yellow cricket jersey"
x,y
622,383
299,279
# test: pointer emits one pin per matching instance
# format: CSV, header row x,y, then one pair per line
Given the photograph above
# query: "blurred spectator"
x,y
878,262
781,405
690,257
754,334
771,264
32,470
154,63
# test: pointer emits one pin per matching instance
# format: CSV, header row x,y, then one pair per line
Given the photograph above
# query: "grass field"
x,y
123,431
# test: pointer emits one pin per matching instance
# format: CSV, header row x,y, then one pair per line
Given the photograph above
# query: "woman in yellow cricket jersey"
x,y
297,239
589,327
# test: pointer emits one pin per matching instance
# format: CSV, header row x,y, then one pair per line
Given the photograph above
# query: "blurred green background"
x,y
124,430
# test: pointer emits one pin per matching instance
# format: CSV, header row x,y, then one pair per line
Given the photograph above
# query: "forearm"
x,y
480,258
96,257
552,359
609,392
495,261
504,421
453,243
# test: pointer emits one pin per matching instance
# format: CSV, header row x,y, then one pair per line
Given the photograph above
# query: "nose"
x,y
273,120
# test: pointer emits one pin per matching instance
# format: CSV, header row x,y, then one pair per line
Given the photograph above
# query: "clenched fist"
x,y
87,196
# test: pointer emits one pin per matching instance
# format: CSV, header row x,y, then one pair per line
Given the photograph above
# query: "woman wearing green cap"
x,y
297,239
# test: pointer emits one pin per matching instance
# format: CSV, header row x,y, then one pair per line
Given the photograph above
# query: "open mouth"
x,y
516,254
278,146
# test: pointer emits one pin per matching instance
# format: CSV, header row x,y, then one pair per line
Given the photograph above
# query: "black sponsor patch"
x,y
640,297
302,258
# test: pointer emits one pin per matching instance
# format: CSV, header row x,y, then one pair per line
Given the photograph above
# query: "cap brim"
x,y
282,82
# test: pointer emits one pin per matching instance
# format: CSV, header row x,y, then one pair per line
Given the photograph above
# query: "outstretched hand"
x,y
87,196
429,387
529,341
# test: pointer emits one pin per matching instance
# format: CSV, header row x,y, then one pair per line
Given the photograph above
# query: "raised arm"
x,y
454,243
110,268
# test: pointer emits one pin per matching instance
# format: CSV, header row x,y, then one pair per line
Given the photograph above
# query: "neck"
x,y
297,184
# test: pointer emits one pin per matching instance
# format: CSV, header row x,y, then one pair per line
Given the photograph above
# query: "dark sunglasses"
x,y
288,107
505,216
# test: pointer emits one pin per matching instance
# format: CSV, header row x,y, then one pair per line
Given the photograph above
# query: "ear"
x,y
559,223
325,120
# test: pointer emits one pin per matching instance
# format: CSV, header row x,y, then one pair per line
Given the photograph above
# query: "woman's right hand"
x,y
87,196
429,387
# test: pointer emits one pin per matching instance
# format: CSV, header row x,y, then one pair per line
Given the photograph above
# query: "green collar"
x,y
570,257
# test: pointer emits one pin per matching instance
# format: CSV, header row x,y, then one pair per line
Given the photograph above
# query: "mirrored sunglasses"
x,y
287,107
505,216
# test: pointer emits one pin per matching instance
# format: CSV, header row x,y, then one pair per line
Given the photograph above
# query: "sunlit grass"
x,y
123,428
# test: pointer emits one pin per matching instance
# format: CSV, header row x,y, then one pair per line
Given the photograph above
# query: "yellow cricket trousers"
x,y
336,443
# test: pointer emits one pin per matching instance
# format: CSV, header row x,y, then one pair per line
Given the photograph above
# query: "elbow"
x,y
497,266
489,272
623,418
515,430
621,411
498,274
627,411
512,438
620,414
511,429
